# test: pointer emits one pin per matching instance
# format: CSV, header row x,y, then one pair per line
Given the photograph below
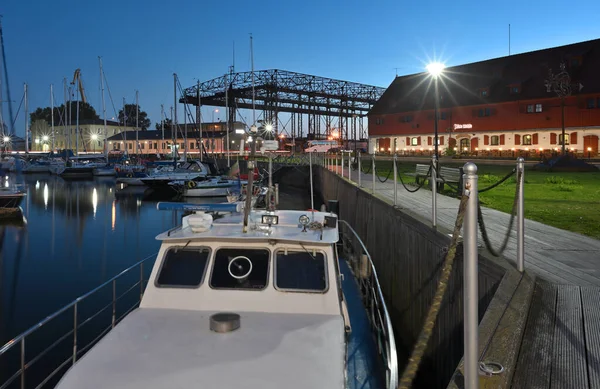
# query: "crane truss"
x,y
310,101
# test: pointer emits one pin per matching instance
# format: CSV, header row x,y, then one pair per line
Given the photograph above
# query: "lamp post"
x,y
561,85
435,69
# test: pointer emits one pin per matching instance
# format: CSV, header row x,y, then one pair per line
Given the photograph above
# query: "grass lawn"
x,y
570,201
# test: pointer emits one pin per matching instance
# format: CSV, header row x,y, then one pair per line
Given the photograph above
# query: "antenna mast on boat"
x,y
137,114
251,162
52,113
103,110
227,112
66,121
26,119
8,99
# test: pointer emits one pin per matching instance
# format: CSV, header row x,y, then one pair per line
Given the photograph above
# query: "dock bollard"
x,y
342,164
373,171
521,215
359,171
434,191
470,277
395,180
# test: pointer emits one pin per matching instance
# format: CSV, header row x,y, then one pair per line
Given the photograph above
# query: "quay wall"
x,y
408,255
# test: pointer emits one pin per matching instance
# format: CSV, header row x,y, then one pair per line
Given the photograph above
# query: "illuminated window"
x,y
484,93
530,108
378,121
560,139
526,140
484,112
414,141
538,108
514,90
494,140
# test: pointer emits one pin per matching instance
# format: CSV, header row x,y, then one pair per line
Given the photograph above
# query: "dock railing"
x,y
133,292
363,268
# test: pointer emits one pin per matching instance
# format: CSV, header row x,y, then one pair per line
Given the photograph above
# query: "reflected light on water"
x,y
114,214
37,185
6,184
46,195
95,200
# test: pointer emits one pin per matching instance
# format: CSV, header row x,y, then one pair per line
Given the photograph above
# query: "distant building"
x,y
214,138
497,107
91,135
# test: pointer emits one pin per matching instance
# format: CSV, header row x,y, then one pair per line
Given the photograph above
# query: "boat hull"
x,y
77,172
11,201
104,172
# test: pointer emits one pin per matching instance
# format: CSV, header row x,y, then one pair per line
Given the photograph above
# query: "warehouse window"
x,y
538,108
560,139
526,140
414,141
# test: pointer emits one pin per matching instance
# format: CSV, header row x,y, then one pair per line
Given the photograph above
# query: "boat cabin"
x,y
228,308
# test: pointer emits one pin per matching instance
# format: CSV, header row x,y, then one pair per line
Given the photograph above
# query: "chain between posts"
x,y
410,371
484,234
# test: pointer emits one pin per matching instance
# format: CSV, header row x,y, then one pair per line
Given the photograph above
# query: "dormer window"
x,y
515,89
484,92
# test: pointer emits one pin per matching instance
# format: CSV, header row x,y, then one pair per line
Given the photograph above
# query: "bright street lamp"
x,y
45,138
436,69
6,139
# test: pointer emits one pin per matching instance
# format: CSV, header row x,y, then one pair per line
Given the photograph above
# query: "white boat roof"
x,y
288,229
170,348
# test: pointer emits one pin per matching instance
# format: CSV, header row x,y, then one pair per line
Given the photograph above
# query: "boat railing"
x,y
362,266
126,286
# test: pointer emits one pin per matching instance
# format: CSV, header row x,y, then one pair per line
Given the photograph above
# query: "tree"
x,y
167,124
86,112
130,109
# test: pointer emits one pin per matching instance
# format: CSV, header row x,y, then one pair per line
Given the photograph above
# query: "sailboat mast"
x,y
77,121
174,113
66,116
162,123
125,126
173,135
185,145
26,119
137,118
103,110
198,119
52,113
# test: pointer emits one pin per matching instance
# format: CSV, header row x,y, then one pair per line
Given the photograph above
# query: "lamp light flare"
x,y
436,68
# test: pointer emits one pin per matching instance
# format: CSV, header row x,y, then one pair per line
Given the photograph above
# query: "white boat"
x,y
213,187
187,171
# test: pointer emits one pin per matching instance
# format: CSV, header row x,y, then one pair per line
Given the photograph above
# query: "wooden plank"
x,y
569,361
590,299
535,359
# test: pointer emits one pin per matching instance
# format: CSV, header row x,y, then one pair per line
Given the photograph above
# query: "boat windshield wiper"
x,y
308,252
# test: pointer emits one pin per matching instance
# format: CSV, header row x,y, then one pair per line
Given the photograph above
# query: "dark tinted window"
x,y
183,267
249,270
300,271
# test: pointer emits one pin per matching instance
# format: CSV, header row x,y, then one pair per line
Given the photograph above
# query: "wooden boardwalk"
x,y
553,254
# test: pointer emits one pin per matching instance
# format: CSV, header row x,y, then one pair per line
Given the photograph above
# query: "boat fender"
x,y
364,271
191,184
129,175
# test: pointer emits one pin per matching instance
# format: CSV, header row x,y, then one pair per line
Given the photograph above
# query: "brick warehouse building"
x,y
495,107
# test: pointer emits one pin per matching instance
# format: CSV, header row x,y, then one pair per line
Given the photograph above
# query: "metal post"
x,y
141,281
114,303
270,190
434,192
520,216
395,180
359,170
75,333
349,166
342,165
373,171
276,194
471,293
312,198
23,363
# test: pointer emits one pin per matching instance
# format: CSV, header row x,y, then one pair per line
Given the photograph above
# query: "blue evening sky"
x,y
143,43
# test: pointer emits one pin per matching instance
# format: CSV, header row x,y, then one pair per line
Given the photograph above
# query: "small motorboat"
x,y
212,187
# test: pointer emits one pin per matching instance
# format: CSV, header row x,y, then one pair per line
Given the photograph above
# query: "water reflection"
x,y
73,236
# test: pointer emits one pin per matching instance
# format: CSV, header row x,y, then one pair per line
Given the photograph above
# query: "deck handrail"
x,y
382,320
20,339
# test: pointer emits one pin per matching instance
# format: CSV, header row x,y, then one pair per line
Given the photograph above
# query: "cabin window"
x,y
183,268
245,269
300,271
